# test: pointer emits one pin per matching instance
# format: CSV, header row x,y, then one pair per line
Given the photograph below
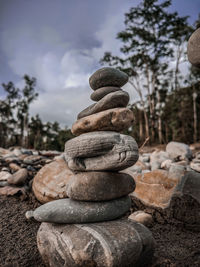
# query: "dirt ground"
x,y
175,246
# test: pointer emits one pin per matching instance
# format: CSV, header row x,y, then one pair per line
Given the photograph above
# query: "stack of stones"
x,y
87,229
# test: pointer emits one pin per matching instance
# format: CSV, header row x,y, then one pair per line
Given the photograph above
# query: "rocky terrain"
x,y
176,233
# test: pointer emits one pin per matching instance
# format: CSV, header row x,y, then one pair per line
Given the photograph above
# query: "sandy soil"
x,y
175,246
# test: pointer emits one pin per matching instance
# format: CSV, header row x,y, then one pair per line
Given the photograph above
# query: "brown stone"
x,y
112,100
108,77
116,119
141,217
107,244
4,175
101,92
18,177
169,195
193,49
155,187
97,186
12,190
50,182
14,166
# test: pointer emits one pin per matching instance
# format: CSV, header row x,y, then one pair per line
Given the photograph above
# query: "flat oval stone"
x,y
98,186
193,49
106,244
116,119
50,182
71,211
98,151
101,92
108,77
112,100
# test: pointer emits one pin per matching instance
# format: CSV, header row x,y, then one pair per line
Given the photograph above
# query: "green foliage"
x,y
152,38
17,129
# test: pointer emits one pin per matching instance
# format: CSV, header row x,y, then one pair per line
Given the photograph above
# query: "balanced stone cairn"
x,y
87,229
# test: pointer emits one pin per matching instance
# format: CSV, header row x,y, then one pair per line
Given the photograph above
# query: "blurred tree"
x,y
7,107
23,106
152,38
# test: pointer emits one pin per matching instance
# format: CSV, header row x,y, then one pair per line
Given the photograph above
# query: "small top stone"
x,y
108,77
193,49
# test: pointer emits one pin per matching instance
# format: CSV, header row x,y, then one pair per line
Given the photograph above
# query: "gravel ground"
x,y
175,246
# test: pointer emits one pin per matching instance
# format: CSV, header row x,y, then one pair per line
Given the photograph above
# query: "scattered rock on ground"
x,y
178,151
156,159
18,177
141,217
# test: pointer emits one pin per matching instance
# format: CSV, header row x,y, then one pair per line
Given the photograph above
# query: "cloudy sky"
x,y
60,43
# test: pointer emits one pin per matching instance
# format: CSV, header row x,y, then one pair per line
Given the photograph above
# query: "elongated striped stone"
x,y
71,211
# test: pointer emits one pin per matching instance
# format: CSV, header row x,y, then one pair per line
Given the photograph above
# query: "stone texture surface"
x,y
18,177
166,196
107,77
50,182
178,150
103,91
99,151
110,101
193,49
116,119
141,217
156,159
97,186
108,244
71,211
139,166
12,190
14,167
156,187
4,175
195,166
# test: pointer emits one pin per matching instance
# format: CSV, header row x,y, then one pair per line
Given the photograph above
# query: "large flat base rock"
x,y
108,244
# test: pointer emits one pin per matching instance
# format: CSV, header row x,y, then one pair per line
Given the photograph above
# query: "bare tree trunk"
x,y
139,91
159,121
194,114
141,132
178,57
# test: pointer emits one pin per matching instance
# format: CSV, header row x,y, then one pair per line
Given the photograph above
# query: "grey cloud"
x,y
60,43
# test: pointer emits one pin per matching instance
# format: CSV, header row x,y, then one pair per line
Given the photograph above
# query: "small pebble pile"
x,y
18,166
86,229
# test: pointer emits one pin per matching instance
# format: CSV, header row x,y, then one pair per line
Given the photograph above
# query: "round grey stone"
x,y
100,151
71,211
101,92
98,186
193,49
108,77
107,244
112,100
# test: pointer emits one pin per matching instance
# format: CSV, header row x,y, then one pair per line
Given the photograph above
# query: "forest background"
x,y
153,51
